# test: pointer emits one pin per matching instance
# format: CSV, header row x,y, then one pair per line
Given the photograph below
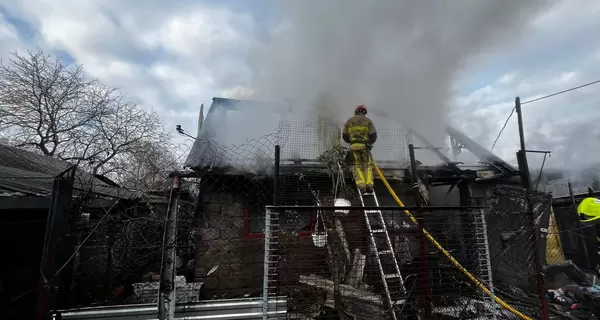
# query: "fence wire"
x,y
222,230
334,269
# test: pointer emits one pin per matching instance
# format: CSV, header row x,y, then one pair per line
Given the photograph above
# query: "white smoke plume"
x,y
400,58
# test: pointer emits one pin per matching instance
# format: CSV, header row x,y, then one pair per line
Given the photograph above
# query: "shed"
x,y
26,188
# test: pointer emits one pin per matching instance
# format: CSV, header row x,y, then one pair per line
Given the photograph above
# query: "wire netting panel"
x,y
307,141
253,156
235,184
335,269
512,243
574,240
391,148
121,242
300,142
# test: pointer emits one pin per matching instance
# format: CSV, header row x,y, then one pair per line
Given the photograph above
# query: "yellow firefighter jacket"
x,y
359,132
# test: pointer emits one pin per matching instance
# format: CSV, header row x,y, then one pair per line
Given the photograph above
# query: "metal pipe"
x,y
247,308
266,263
276,175
390,208
166,294
526,181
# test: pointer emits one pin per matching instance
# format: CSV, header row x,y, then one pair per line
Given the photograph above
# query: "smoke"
x,y
400,58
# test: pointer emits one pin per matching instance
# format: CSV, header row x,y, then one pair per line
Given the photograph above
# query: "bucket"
x,y
341,203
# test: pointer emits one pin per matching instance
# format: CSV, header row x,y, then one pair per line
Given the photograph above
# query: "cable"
x,y
503,127
87,237
561,92
538,99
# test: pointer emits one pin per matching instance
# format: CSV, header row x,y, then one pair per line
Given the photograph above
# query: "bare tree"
x,y
147,167
53,108
43,101
121,130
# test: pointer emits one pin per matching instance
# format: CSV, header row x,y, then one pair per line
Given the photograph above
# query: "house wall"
x,y
222,243
232,210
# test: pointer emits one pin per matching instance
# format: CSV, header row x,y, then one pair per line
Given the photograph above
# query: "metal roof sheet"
x,y
27,173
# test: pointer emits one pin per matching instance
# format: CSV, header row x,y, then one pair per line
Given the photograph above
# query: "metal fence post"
x,y
267,262
276,175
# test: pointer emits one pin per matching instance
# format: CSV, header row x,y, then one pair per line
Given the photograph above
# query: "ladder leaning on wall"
x,y
390,271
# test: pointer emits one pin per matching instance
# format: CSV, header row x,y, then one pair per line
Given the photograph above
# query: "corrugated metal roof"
x,y
29,161
250,308
28,173
13,180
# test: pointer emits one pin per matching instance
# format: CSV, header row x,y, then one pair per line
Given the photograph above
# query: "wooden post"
x,y
166,294
526,182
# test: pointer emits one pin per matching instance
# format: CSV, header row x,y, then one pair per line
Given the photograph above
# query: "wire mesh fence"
x,y
345,266
512,245
572,239
325,262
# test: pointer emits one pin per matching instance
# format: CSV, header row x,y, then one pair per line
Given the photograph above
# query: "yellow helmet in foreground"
x,y
589,211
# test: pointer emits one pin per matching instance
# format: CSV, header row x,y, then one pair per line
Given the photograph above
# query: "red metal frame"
x,y
261,235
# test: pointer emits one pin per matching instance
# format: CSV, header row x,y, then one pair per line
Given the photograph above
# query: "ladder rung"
x,y
385,252
391,276
371,211
378,230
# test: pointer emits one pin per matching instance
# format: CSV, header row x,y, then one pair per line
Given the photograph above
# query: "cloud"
x,y
414,63
564,124
169,57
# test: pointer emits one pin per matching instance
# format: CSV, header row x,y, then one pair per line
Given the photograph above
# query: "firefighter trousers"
x,y
362,168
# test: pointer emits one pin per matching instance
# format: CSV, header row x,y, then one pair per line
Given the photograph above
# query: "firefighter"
x,y
589,211
360,133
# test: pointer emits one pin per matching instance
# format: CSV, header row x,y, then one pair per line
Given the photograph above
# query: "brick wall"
x,y
221,242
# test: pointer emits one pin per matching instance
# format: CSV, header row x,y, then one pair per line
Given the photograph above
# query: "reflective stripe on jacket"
x,y
359,130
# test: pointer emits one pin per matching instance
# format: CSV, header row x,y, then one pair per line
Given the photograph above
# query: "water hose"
x,y
447,254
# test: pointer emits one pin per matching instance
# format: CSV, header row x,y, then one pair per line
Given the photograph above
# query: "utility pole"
x,y
166,293
526,183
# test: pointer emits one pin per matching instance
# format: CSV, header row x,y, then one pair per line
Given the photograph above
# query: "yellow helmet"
x,y
589,210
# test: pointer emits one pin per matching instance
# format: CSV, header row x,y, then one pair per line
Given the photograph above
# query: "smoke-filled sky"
x,y
417,63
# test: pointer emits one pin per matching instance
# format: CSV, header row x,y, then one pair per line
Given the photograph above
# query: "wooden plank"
x,y
341,234
357,271
348,292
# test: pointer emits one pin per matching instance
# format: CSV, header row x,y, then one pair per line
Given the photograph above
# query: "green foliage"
x,y
332,157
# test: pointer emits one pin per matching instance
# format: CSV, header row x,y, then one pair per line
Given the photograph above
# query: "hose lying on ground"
x,y
447,254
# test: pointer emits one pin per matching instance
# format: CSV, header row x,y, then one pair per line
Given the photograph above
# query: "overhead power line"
x,y
561,92
538,99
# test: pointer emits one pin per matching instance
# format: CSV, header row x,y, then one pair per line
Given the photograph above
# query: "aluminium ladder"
x,y
376,225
